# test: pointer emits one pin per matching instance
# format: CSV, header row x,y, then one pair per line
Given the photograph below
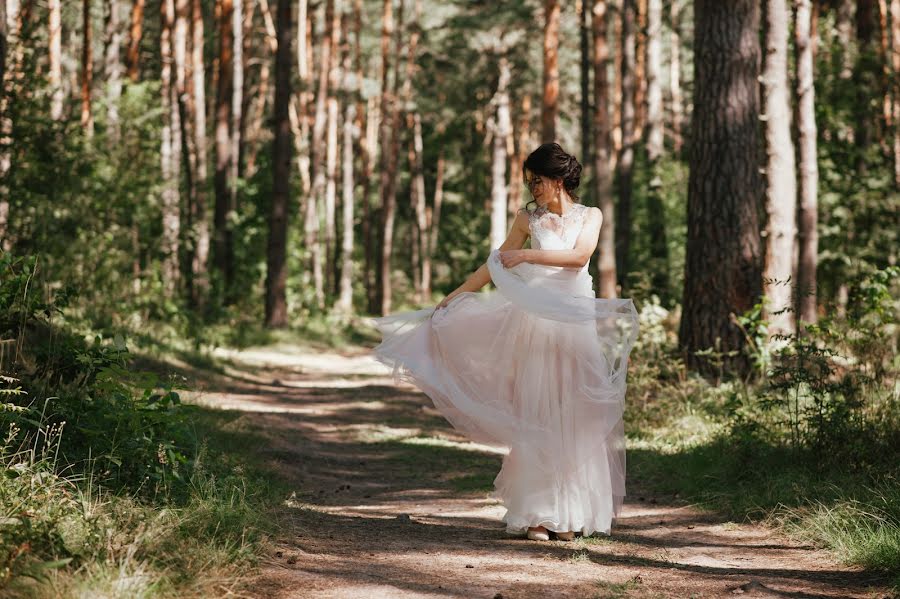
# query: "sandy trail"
x,y
390,502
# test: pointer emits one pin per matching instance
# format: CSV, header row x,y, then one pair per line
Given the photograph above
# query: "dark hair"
x,y
550,160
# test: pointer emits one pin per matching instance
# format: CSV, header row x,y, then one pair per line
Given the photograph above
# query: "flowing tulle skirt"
x,y
537,366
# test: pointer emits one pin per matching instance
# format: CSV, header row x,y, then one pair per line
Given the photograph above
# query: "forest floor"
x,y
385,500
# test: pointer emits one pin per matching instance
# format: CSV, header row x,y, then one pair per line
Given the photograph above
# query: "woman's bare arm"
x,y
579,255
516,238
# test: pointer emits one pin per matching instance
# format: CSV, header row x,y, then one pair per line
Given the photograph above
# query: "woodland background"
x,y
192,174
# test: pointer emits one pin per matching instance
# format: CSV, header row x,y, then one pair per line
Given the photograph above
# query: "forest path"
x,y
390,502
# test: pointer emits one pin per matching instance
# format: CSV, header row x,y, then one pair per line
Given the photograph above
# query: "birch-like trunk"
x,y
804,44
54,43
501,130
781,188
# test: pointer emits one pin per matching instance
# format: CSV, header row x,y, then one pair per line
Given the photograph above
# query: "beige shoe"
x,y
565,536
538,533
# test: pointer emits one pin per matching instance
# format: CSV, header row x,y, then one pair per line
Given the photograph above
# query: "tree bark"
x,y
677,99
804,43
894,91
583,8
331,155
54,42
113,68
606,279
501,126
134,40
224,210
199,266
87,70
345,298
276,262
656,213
722,264
781,188
383,273
625,163
170,155
550,104
421,260
640,69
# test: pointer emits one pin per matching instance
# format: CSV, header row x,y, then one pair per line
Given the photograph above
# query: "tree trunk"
x,y
87,70
781,188
894,91
606,279
434,216
345,299
804,42
113,68
316,198
134,40
656,213
421,262
199,267
640,69
170,155
331,155
549,106
224,212
383,272
722,271
522,146
54,42
276,261
625,163
583,8
237,96
677,106
501,130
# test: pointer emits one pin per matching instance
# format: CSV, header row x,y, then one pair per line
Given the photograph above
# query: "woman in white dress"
x,y
537,366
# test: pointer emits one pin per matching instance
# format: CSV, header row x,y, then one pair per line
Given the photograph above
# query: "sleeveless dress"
x,y
537,366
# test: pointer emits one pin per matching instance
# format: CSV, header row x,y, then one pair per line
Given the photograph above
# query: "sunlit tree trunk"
x,y
320,124
625,162
276,254
223,242
113,68
723,271
134,40
87,69
550,104
501,126
677,99
606,279
640,68
894,91
434,215
331,158
781,188
656,213
170,154
388,164
421,261
522,147
54,42
199,267
344,303
7,26
804,44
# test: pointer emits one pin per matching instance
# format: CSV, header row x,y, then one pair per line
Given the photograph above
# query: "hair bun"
x,y
572,178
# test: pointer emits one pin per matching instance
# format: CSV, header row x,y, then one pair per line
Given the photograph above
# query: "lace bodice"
x,y
549,231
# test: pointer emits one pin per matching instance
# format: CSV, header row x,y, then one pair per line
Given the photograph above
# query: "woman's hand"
x,y
445,301
511,258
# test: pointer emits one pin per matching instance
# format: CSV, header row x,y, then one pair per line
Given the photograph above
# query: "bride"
x,y
537,366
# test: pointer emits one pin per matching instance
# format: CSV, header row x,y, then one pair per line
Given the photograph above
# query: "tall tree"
x,y
722,264
112,66
134,40
223,242
894,91
584,30
550,104
500,127
87,69
606,281
54,43
625,162
199,267
170,154
677,100
781,188
276,261
804,44
659,247
331,155
344,303
422,259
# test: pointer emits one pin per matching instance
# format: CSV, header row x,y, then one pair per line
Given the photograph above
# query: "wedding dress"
x,y
538,366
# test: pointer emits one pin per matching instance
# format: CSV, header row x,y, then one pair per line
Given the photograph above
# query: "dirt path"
x,y
391,503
